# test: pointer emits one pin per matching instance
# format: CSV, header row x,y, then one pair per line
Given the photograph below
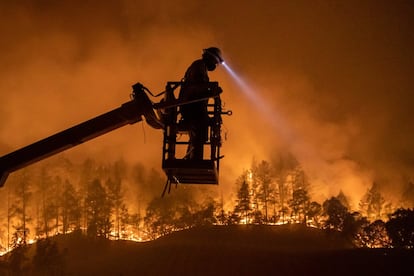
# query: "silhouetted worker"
x,y
195,114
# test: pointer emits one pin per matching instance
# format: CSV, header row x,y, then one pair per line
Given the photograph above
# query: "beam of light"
x,y
261,105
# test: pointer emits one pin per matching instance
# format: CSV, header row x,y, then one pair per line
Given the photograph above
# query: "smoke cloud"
x,y
338,74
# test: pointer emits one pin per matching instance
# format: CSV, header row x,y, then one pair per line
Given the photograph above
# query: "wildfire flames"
x,y
42,204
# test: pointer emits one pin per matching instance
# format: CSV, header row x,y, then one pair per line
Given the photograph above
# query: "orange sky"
x,y
339,74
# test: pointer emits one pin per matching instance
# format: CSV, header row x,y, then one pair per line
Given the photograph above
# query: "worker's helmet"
x,y
215,53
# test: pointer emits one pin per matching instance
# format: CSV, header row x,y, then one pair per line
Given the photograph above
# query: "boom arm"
x,y
128,113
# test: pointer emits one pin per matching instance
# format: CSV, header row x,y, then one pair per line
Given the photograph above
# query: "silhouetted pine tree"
x,y
243,207
46,199
98,210
262,175
400,228
19,208
284,165
71,208
335,213
372,204
299,204
313,212
115,192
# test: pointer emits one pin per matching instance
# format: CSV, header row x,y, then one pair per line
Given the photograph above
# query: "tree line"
x,y
265,197
59,197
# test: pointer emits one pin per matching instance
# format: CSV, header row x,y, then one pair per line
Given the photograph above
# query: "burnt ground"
x,y
232,250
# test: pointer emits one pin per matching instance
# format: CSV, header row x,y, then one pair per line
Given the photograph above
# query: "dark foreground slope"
x,y
232,250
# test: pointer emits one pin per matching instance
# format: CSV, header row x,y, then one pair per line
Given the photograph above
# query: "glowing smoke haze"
x,y
345,172
335,92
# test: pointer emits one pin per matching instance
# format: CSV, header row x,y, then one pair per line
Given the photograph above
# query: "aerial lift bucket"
x,y
180,170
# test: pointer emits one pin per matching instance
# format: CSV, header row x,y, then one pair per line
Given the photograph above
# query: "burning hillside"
x,y
338,92
219,250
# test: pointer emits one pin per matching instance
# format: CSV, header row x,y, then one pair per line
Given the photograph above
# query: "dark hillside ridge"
x,y
284,238
231,250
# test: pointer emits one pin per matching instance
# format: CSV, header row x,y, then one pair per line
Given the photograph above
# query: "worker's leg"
x,y
198,136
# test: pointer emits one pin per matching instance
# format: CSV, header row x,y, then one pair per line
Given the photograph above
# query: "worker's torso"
x,y
194,87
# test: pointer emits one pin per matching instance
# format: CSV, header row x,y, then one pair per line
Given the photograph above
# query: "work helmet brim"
x,y
215,53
